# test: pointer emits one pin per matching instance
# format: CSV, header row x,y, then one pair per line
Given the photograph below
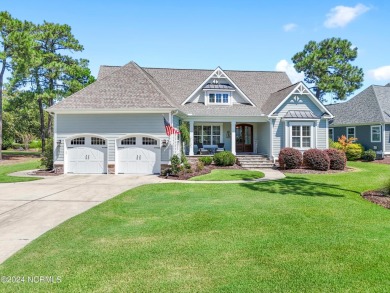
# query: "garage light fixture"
x,y
59,142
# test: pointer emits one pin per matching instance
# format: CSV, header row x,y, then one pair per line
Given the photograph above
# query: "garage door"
x,y
138,155
87,155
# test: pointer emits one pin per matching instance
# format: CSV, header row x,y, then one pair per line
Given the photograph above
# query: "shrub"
x,y
369,155
47,156
187,166
290,158
17,146
35,144
7,144
175,164
335,145
316,159
224,159
166,171
199,166
183,159
206,160
345,142
337,158
354,151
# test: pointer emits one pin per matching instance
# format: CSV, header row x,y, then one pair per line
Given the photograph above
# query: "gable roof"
x,y
127,87
370,106
134,87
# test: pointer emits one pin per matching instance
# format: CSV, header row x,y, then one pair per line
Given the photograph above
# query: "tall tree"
x,y
327,65
15,42
53,74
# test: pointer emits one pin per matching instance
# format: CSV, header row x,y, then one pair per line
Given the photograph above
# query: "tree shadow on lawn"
x,y
299,186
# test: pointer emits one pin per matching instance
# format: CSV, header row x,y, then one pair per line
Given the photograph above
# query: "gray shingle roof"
x,y
126,87
131,86
370,106
301,115
276,98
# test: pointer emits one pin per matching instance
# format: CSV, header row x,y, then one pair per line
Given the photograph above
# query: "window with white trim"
x,y
128,141
218,98
301,136
207,134
376,133
331,133
78,141
149,141
351,132
97,141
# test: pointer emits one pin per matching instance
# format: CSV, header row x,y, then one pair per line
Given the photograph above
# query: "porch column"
x,y
233,130
191,152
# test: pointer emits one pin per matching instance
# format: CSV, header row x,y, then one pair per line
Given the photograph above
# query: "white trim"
x,y
330,128
110,111
384,138
55,145
354,131
220,74
211,124
380,133
233,136
207,98
316,125
297,90
271,140
191,151
312,133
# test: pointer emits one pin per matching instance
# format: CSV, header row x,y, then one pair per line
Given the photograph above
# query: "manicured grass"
x,y
21,153
304,233
7,169
229,175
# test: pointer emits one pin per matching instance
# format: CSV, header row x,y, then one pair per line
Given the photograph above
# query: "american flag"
x,y
169,129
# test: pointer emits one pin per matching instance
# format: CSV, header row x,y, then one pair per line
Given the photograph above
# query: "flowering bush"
x,y
337,158
345,142
290,158
316,159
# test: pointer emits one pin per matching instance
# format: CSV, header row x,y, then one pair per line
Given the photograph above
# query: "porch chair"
x,y
202,150
221,147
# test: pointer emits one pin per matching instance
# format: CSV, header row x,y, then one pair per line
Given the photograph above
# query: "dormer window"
x,y
219,98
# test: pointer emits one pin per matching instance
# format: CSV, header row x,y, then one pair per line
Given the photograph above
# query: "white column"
x,y
233,130
191,153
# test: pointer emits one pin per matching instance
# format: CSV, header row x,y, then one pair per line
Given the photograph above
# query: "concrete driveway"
x,y
29,209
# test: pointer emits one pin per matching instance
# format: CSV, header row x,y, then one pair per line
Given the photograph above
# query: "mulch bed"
x,y
309,171
379,197
183,175
386,160
45,173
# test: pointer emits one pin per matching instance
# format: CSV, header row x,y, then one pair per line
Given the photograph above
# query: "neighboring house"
x,y
365,117
115,125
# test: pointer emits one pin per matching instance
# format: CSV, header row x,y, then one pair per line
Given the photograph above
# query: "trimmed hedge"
x,y
369,155
337,158
354,151
206,160
224,159
290,158
316,159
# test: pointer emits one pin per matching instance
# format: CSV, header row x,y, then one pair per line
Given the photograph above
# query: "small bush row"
x,y
315,159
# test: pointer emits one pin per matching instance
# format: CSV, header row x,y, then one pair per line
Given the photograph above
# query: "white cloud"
x,y
340,16
283,65
290,27
380,73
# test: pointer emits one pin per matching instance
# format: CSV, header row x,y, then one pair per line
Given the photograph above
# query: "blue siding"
x,y
362,133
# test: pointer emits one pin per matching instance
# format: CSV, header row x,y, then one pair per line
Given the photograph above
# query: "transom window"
x,y
97,141
351,132
219,98
301,136
207,134
376,133
331,133
128,141
149,141
78,141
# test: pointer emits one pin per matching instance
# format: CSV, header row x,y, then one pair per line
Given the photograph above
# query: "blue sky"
x,y
244,35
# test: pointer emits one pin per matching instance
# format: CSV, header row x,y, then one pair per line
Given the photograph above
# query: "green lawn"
x,y
304,233
229,175
6,169
21,153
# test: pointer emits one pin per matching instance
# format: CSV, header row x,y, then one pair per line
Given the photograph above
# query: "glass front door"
x,y
244,138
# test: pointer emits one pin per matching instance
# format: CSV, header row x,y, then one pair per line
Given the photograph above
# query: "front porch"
x,y
238,137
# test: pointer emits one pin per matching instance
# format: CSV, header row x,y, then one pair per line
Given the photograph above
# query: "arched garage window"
x,y
78,141
128,141
97,141
149,141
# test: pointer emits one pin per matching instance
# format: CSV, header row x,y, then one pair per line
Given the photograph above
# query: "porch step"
x,y
254,162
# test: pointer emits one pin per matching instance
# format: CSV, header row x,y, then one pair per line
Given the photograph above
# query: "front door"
x,y
244,138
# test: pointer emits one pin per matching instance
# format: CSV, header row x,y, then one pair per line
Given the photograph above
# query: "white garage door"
x,y
87,155
138,155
